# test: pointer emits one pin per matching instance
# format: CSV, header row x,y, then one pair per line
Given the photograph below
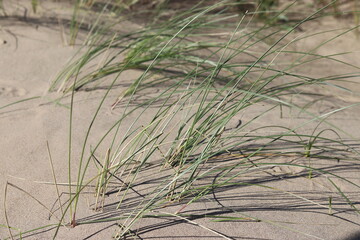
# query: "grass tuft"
x,y
215,79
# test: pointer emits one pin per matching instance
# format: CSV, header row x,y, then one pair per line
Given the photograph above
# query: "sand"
x,y
33,51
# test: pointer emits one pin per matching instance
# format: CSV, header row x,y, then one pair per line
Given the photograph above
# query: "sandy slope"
x,y
32,52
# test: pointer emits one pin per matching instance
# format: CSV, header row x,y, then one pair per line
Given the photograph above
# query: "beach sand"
x,y
33,51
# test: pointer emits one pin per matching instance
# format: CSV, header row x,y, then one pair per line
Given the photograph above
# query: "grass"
x,y
192,139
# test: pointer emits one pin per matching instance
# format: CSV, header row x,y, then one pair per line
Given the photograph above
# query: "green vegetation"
x,y
211,66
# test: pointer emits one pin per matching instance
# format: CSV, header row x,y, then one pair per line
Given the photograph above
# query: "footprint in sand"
x,y
11,92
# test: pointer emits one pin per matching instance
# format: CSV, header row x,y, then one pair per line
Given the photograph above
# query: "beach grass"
x,y
211,67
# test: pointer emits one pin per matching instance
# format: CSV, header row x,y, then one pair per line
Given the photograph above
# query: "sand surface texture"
x,y
291,206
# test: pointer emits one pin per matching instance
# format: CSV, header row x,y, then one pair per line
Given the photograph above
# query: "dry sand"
x,y
32,52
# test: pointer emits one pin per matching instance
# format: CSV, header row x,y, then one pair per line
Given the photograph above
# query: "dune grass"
x,y
198,139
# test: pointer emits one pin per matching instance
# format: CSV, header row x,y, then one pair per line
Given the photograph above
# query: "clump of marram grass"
x,y
191,137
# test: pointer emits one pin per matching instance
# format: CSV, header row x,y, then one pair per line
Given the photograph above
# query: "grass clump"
x,y
207,88
198,130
